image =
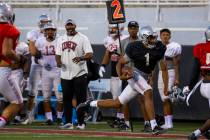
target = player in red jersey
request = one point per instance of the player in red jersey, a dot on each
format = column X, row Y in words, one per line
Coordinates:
column 201, row 53
column 10, row 90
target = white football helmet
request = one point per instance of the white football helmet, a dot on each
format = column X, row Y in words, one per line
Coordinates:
column 49, row 25
column 113, row 29
column 50, row 34
column 207, row 34
column 6, row 13
column 145, row 33
column 43, row 19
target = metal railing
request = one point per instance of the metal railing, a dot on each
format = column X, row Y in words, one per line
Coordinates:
column 102, row 2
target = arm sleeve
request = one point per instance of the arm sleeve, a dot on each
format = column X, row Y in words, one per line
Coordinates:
column 173, row 50
column 31, row 36
column 195, row 73
column 58, row 50
column 87, row 46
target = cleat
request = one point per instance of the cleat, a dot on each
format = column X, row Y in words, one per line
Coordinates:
column 59, row 121
column 157, row 130
column 27, row 121
column 147, row 128
column 207, row 134
column 67, row 126
column 192, row 137
column 164, row 126
column 49, row 122
column 84, row 105
column 123, row 126
column 81, row 127
column 16, row 122
column 115, row 123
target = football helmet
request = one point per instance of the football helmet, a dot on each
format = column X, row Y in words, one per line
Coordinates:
column 113, row 29
column 177, row 95
column 43, row 19
column 207, row 34
column 51, row 34
column 49, row 25
column 145, row 33
column 6, row 13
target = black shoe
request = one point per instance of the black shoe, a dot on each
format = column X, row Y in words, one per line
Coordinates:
column 16, row 122
column 207, row 134
column 59, row 121
column 84, row 105
column 158, row 130
column 49, row 122
column 123, row 126
column 115, row 123
column 192, row 137
column 147, row 128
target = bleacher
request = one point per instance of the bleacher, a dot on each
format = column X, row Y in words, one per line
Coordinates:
column 102, row 2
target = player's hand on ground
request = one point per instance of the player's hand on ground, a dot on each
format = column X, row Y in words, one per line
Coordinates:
column 101, row 71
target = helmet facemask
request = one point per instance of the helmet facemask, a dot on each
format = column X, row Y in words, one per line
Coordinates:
column 148, row 36
column 6, row 13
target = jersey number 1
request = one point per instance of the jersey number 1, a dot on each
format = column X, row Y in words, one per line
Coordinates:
column 147, row 59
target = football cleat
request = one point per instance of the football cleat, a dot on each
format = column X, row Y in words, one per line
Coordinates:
column 84, row 105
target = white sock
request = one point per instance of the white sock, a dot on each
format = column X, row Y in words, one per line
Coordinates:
column 166, row 121
column 153, row 123
column 93, row 103
column 197, row 132
column 2, row 122
column 49, row 115
column 127, row 123
column 59, row 114
column 30, row 114
column 146, row 122
column 120, row 115
column 170, row 120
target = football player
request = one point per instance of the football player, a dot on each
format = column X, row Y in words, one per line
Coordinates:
column 8, row 42
column 144, row 54
column 46, row 46
column 201, row 65
column 20, row 72
column 172, row 59
column 36, row 69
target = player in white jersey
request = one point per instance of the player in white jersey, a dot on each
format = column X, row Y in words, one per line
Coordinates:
column 21, row 73
column 172, row 59
column 72, row 51
column 112, row 54
column 50, row 72
column 36, row 69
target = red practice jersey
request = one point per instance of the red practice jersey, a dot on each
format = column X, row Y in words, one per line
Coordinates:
column 202, row 52
column 8, row 31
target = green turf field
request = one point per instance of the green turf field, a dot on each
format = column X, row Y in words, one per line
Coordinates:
column 179, row 128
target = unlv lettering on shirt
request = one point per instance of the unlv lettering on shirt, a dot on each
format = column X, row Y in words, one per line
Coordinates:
column 68, row 45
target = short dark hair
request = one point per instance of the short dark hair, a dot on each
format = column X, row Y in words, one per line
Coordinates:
column 165, row 30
